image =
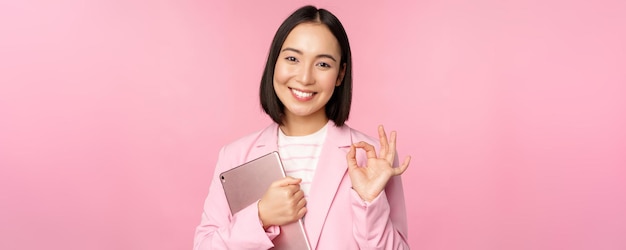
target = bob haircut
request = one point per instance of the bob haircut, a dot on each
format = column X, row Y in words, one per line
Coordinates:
column 338, row 106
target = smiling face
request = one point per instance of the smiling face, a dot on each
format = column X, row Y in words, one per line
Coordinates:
column 307, row 71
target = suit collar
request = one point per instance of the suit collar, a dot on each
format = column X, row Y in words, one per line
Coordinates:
column 266, row 142
column 268, row 139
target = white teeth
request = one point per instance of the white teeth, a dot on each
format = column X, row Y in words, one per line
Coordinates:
column 301, row 94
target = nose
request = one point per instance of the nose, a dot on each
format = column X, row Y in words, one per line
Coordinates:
column 305, row 75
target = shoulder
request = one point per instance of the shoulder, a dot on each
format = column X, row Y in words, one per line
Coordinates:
column 245, row 142
column 239, row 149
column 358, row 135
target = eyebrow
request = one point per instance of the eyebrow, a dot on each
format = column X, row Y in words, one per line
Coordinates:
column 318, row 56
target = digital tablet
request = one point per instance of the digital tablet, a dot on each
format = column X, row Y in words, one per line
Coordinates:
column 246, row 184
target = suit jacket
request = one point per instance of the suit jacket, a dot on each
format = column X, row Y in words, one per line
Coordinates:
column 337, row 217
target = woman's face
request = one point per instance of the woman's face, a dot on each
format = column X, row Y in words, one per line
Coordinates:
column 307, row 71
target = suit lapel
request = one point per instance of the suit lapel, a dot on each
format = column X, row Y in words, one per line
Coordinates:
column 265, row 143
column 331, row 169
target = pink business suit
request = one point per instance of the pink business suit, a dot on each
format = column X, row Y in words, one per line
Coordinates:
column 337, row 218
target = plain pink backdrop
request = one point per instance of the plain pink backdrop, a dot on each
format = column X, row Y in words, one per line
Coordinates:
column 112, row 114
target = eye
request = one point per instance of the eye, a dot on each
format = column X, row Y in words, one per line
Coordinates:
column 291, row 59
column 324, row 65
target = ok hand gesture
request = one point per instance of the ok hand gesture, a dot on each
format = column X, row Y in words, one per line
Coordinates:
column 369, row 180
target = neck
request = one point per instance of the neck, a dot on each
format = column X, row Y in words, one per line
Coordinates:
column 299, row 126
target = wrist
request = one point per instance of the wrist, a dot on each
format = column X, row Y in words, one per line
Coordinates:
column 263, row 225
column 365, row 197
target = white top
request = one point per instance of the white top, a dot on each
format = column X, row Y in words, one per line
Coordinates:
column 300, row 155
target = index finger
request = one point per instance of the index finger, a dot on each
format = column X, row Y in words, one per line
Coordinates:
column 288, row 180
column 370, row 151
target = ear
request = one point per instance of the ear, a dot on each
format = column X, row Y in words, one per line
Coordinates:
column 342, row 74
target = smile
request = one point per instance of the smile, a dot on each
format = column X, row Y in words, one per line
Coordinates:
column 302, row 95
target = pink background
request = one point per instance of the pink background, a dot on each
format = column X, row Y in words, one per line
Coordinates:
column 112, row 114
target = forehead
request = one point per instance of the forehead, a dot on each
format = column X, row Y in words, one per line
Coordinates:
column 313, row 38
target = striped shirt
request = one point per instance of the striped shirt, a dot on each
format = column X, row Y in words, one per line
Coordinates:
column 300, row 155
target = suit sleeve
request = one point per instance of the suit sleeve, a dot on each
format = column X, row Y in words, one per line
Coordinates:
column 381, row 223
column 219, row 229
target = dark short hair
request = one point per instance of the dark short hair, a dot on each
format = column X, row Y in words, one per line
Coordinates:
column 338, row 107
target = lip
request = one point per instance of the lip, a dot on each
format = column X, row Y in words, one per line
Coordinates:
column 302, row 98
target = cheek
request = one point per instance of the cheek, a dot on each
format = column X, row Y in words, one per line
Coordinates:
column 329, row 79
column 281, row 74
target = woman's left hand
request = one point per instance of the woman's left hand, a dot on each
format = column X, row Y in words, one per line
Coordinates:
column 369, row 180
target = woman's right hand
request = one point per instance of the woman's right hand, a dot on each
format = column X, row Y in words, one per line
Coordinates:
column 282, row 203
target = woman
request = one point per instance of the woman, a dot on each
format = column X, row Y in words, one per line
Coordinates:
column 347, row 199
